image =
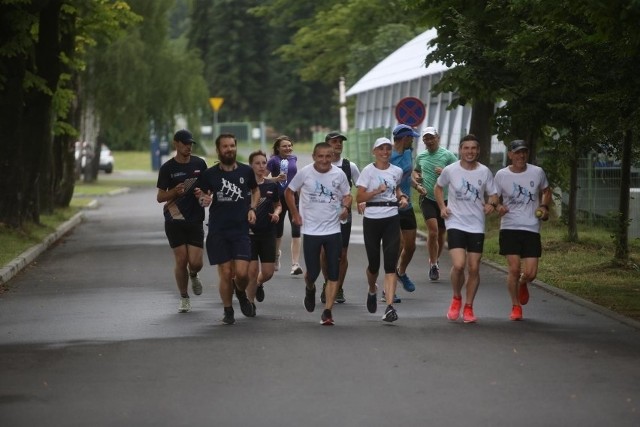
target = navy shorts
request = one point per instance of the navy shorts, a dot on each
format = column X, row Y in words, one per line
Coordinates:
column 224, row 247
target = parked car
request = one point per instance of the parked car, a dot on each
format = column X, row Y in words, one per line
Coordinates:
column 106, row 159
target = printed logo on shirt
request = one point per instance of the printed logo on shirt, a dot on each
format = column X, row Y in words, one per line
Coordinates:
column 229, row 192
column 466, row 191
column 521, row 195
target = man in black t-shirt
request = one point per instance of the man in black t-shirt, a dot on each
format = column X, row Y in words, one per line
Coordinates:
column 231, row 191
column 177, row 181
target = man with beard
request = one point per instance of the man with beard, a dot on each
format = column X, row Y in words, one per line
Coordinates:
column 231, row 191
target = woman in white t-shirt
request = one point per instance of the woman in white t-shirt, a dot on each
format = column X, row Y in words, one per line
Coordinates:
column 379, row 188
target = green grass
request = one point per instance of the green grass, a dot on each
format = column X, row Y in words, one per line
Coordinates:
column 13, row 242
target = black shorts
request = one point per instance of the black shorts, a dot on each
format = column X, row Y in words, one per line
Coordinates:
column 472, row 242
column 263, row 247
column 184, row 233
column 430, row 210
column 526, row 244
column 407, row 219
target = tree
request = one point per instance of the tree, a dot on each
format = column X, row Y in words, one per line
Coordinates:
column 36, row 53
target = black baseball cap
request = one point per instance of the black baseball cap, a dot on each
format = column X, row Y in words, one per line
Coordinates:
column 334, row 134
column 184, row 136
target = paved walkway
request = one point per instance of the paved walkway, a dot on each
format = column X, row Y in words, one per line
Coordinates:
column 90, row 335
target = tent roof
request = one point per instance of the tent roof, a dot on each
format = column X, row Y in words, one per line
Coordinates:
column 405, row 64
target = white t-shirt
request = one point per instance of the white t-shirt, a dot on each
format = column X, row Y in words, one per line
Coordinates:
column 321, row 197
column 520, row 193
column 370, row 178
column 467, row 190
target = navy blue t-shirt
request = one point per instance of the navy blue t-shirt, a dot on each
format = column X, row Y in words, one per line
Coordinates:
column 172, row 173
column 231, row 191
column 269, row 194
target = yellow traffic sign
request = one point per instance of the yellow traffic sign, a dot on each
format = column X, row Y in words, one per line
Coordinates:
column 216, row 103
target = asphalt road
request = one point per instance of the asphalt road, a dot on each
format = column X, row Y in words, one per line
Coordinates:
column 90, row 335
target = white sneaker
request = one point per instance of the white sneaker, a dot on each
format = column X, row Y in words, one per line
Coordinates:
column 196, row 284
column 277, row 266
column 185, row 305
column 296, row 269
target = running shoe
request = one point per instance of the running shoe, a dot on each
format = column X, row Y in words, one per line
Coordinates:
column 277, row 264
column 323, row 296
column 390, row 314
column 396, row 299
column 296, row 270
column 523, row 293
column 340, row 296
column 310, row 298
column 260, row 293
column 516, row 312
column 372, row 302
column 245, row 305
column 407, row 284
column 434, row 272
column 196, row 284
column 326, row 318
column 467, row 314
column 185, row 305
column 228, row 318
column 454, row 309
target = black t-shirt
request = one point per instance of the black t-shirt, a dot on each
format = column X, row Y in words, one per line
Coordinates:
column 172, row 173
column 231, row 191
column 269, row 194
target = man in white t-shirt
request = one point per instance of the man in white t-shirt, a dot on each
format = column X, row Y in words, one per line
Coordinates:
column 468, row 182
column 524, row 190
column 325, row 199
column 336, row 140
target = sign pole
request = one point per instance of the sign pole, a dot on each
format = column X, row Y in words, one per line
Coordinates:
column 216, row 103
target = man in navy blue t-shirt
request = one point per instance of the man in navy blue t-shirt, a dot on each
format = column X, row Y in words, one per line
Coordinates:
column 231, row 191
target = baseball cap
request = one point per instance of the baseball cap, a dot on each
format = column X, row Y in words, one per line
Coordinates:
column 381, row 141
column 404, row 130
column 430, row 131
column 518, row 145
column 334, row 134
column 184, row 136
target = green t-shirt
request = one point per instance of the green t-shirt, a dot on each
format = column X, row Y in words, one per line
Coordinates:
column 427, row 162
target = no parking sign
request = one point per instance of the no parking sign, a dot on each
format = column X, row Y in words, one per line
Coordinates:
column 410, row 111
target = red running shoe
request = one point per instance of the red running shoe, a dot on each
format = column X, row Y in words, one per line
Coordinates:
column 516, row 313
column 467, row 314
column 454, row 309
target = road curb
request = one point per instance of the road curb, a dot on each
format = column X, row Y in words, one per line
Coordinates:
column 573, row 298
column 27, row 257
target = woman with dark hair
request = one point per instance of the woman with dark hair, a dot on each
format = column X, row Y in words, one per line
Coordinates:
column 283, row 167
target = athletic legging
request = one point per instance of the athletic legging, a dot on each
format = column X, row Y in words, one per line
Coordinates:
column 295, row 230
column 386, row 230
column 311, row 246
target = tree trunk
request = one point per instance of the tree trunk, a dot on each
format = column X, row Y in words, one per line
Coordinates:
column 572, row 220
column 481, row 127
column 12, row 184
column 622, row 233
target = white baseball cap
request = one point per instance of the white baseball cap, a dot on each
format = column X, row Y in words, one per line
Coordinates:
column 429, row 131
column 381, row 141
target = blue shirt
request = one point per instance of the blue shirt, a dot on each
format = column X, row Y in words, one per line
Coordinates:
column 404, row 161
